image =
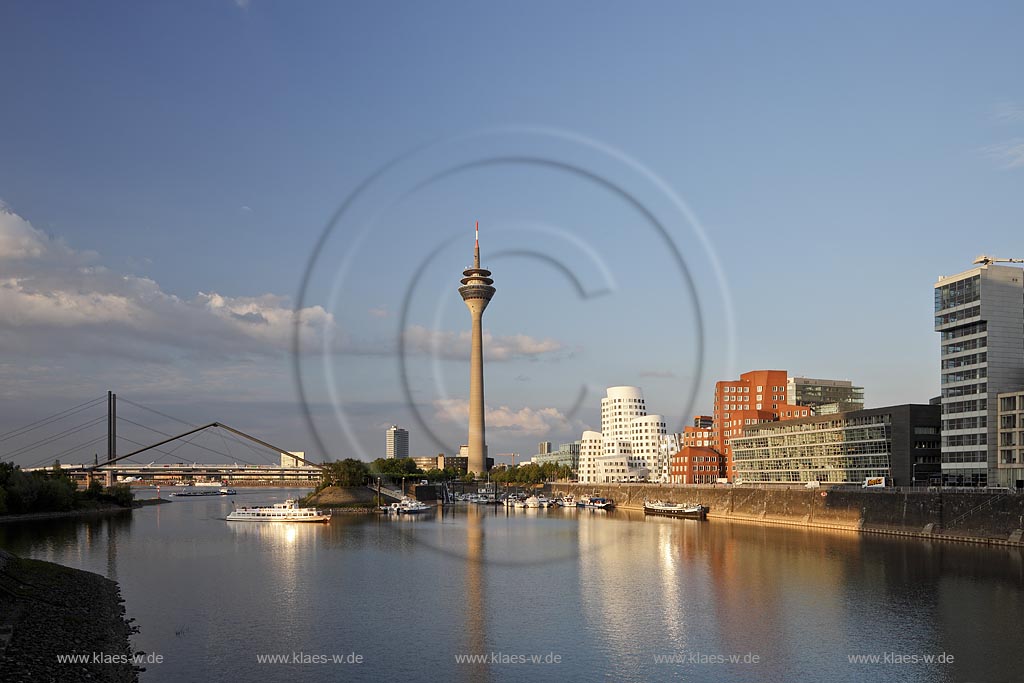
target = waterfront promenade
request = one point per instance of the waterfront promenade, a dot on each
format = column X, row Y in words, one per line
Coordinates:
column 988, row 517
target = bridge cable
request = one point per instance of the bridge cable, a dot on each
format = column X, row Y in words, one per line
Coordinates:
column 57, row 456
column 197, row 445
column 232, row 437
column 52, row 418
column 55, row 437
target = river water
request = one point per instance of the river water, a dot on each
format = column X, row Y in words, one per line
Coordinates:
column 542, row 595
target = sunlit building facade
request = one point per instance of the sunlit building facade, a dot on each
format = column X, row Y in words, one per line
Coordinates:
column 757, row 396
column 900, row 443
column 979, row 314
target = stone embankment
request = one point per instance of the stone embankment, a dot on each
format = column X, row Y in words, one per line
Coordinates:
column 49, row 611
column 995, row 518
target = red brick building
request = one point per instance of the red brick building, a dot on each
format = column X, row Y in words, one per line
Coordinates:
column 757, row 396
column 697, row 462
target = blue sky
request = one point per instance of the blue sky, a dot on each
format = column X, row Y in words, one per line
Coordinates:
column 175, row 164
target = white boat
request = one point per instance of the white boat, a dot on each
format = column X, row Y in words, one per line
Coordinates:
column 227, row 492
column 657, row 507
column 568, row 501
column 545, row 502
column 596, row 502
column 288, row 511
column 407, row 506
column 533, row 502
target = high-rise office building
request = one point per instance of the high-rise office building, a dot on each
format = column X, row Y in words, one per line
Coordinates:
column 397, row 442
column 979, row 314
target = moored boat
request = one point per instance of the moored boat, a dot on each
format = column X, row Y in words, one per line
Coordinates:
column 288, row 511
column 688, row 510
column 406, row 506
column 595, row 502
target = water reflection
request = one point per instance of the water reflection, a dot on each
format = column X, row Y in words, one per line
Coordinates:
column 85, row 539
column 474, row 615
column 606, row 591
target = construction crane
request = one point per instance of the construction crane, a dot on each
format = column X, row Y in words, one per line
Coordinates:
column 987, row 260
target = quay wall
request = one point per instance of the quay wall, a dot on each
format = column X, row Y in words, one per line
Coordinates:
column 952, row 515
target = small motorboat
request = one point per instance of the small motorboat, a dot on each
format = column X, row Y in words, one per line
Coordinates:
column 595, row 502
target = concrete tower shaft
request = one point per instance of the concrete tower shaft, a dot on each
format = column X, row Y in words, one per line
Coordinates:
column 477, row 290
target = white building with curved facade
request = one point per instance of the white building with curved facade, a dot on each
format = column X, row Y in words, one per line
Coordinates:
column 630, row 441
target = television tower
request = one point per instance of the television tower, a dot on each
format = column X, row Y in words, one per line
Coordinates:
column 476, row 291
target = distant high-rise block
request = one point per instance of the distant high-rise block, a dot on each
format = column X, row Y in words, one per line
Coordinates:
column 289, row 459
column 397, row 442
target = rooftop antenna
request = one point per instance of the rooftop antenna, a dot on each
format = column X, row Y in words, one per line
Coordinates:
column 476, row 249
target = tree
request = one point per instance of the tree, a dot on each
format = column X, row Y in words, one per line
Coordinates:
column 394, row 467
column 347, row 472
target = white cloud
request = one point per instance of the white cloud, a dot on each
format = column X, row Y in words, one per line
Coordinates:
column 1009, row 112
column 47, row 286
column 19, row 240
column 456, row 345
column 532, row 422
column 1009, row 154
column 380, row 312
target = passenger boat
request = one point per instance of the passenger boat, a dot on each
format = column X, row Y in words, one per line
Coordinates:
column 689, row 510
column 288, row 511
column 226, row 492
column 595, row 502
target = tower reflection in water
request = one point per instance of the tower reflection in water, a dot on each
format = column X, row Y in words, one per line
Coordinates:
column 475, row 612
